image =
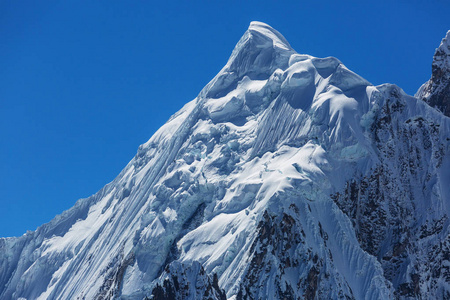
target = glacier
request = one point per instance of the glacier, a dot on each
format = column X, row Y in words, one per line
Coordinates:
column 287, row 177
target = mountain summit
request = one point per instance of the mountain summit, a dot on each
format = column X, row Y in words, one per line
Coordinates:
column 436, row 91
column 287, row 177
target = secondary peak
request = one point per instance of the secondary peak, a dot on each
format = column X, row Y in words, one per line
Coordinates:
column 269, row 34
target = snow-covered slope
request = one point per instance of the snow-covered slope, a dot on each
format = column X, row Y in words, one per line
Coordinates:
column 289, row 176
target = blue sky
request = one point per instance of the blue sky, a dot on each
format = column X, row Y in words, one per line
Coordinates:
column 84, row 83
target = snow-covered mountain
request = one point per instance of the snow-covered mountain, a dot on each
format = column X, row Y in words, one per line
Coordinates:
column 436, row 91
column 288, row 177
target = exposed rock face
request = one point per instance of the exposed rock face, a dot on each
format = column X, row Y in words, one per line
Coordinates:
column 288, row 177
column 283, row 266
column 436, row 91
column 187, row 282
column 391, row 221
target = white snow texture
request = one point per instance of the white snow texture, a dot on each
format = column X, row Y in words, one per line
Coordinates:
column 288, row 177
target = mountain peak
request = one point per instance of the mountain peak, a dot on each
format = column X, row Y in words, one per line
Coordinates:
column 260, row 51
column 441, row 58
column 267, row 33
column 436, row 91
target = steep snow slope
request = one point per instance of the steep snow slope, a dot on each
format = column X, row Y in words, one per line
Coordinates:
column 288, row 177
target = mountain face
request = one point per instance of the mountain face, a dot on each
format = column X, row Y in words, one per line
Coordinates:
column 288, row 177
column 436, row 91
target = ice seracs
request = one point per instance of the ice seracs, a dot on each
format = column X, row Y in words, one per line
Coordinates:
column 288, row 177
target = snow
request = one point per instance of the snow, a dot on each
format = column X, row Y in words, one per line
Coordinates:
column 170, row 214
column 268, row 32
column 273, row 131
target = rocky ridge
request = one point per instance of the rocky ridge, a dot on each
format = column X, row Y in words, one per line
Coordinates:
column 436, row 91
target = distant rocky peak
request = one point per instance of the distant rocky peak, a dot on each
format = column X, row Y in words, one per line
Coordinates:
column 436, row 91
column 441, row 59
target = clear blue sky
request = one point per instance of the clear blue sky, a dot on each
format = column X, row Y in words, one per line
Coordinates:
column 84, row 83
